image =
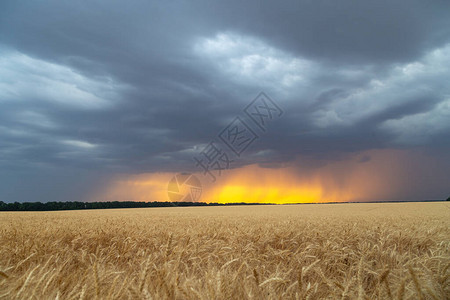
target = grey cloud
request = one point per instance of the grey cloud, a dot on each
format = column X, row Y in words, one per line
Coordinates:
column 129, row 80
column 352, row 31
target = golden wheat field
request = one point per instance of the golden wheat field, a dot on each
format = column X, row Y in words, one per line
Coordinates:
column 340, row 251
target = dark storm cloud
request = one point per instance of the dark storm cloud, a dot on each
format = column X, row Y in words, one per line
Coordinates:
column 349, row 31
column 109, row 87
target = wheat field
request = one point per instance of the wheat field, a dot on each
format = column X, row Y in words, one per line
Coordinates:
column 340, row 251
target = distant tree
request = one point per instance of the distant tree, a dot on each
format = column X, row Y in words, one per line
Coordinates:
column 47, row 206
column 448, row 199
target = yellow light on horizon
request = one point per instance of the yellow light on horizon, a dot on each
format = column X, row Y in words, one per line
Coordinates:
column 270, row 194
column 340, row 181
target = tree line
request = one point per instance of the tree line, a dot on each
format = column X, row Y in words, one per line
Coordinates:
column 49, row 206
column 76, row 205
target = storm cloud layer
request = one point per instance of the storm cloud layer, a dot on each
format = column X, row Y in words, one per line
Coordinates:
column 93, row 89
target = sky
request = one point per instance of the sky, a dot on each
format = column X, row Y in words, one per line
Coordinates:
column 108, row 100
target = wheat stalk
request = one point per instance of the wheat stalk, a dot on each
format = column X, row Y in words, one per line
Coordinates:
column 283, row 252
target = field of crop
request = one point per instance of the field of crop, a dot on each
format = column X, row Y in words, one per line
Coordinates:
column 340, row 251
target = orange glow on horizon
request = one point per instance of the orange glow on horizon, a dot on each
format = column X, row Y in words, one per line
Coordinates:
column 350, row 179
column 253, row 184
column 250, row 184
column 142, row 187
